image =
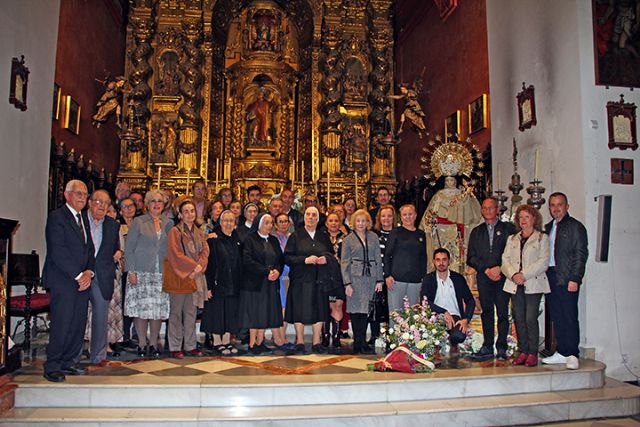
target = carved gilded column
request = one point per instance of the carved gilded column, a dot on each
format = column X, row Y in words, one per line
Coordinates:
column 331, row 87
column 381, row 47
column 190, row 89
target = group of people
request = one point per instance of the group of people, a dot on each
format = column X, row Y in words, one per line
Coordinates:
column 248, row 268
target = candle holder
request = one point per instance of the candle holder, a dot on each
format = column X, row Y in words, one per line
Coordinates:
column 501, row 198
column 536, row 191
column 516, row 187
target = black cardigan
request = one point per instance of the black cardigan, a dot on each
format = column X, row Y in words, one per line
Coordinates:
column 256, row 269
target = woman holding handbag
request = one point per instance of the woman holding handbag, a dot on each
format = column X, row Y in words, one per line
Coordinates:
column 362, row 274
column 184, row 281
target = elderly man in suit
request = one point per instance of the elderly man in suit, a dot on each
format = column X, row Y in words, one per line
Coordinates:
column 486, row 244
column 68, row 270
column 105, row 237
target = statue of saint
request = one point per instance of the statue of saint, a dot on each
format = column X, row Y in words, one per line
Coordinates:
column 450, row 216
column 412, row 110
column 109, row 102
column 260, row 128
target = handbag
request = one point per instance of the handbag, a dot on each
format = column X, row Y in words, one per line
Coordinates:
column 174, row 284
column 378, row 308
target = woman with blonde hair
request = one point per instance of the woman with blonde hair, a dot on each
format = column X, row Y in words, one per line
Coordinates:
column 144, row 255
column 362, row 274
column 524, row 262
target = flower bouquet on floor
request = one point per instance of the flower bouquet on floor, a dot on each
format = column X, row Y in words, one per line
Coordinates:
column 475, row 340
column 414, row 333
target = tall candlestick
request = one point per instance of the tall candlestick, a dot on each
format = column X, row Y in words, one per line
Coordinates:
column 188, row 180
column 536, row 165
column 499, row 180
column 356, row 191
column 302, row 177
column 159, row 174
column 217, row 169
column 328, row 189
column 230, row 173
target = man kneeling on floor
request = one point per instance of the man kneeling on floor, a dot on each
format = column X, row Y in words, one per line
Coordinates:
column 448, row 293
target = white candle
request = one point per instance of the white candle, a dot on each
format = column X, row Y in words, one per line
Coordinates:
column 188, row 180
column 159, row 174
column 499, row 177
column 536, row 167
column 302, row 176
column 230, row 174
column 217, row 169
column 356, row 190
column 328, row 189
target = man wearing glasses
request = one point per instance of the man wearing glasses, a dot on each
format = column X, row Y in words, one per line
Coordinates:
column 68, row 271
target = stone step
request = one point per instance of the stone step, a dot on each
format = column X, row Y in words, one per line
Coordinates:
column 615, row 399
column 161, row 392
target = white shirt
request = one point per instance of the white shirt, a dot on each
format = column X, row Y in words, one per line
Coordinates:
column 446, row 295
column 552, row 243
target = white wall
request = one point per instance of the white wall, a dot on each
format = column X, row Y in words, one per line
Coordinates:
column 549, row 44
column 29, row 28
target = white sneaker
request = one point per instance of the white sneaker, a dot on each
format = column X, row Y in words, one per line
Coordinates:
column 555, row 358
column 573, row 362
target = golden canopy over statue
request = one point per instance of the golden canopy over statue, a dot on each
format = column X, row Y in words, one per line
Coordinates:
column 454, row 210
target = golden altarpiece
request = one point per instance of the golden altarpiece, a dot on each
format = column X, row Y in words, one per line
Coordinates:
column 276, row 93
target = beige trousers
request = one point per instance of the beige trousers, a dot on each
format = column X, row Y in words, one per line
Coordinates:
column 182, row 322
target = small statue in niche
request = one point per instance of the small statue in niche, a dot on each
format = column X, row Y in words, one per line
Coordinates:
column 109, row 102
column 260, row 119
column 412, row 110
column 263, row 35
column 168, row 141
column 168, row 82
column 354, row 146
column 355, row 81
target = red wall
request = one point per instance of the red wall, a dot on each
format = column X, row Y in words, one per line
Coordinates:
column 454, row 54
column 91, row 40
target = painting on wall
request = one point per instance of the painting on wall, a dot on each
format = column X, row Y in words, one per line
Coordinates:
column 452, row 126
column 622, row 171
column 478, row 114
column 526, row 107
column 72, row 115
column 621, row 121
column 617, row 43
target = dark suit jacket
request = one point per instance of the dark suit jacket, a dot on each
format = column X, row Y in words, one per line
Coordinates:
column 466, row 303
column 480, row 257
column 105, row 267
column 67, row 252
column 570, row 250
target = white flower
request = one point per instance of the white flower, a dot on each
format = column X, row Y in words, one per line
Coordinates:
column 392, row 346
column 412, row 328
column 383, row 330
column 391, row 331
column 406, row 336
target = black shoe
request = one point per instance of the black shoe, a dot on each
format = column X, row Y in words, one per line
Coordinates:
column 54, row 377
column 484, row 354
column 153, row 352
column 256, row 350
column 113, row 355
column 128, row 344
column 73, row 370
column 367, row 349
column 502, row 354
column 208, row 342
column 140, row 352
column 318, row 349
column 300, row 349
column 264, row 349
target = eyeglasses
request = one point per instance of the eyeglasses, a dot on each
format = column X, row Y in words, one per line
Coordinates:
column 100, row 202
column 80, row 193
column 157, row 201
column 127, row 206
column 283, row 221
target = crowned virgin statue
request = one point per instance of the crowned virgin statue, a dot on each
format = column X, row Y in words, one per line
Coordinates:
column 454, row 210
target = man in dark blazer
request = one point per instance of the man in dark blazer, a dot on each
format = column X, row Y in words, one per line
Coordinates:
column 106, row 239
column 569, row 253
column 447, row 293
column 68, row 270
column 484, row 254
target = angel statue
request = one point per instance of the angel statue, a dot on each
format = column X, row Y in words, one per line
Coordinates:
column 412, row 110
column 109, row 102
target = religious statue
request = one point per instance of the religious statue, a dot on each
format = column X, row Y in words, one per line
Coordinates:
column 412, row 110
column 263, row 36
column 260, row 123
column 109, row 102
column 165, row 136
column 453, row 211
column 355, row 146
column 168, row 80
